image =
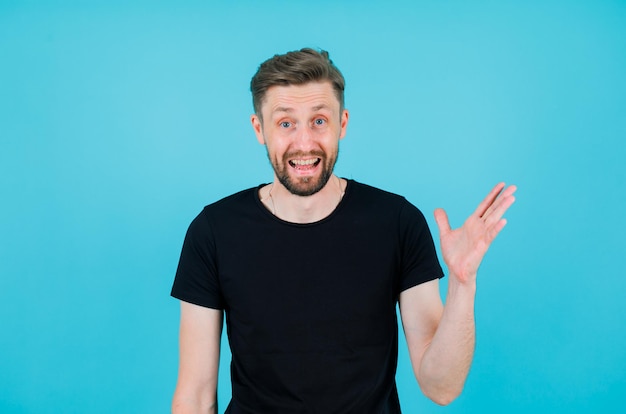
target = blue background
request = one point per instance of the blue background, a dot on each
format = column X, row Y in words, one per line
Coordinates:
column 120, row 120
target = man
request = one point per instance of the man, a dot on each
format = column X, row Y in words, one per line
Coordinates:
column 309, row 269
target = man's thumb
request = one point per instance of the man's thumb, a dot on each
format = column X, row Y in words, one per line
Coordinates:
column 441, row 217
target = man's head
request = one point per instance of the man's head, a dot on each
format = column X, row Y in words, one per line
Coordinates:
column 295, row 68
column 299, row 117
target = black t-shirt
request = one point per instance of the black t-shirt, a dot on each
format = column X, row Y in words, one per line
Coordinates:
column 310, row 308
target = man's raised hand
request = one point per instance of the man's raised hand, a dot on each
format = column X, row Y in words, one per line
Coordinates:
column 464, row 248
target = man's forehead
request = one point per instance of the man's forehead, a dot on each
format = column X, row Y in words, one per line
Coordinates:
column 312, row 96
column 314, row 107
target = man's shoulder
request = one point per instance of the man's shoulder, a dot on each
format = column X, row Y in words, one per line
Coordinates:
column 383, row 202
column 235, row 203
column 371, row 193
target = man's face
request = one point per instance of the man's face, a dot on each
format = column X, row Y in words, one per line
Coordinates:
column 301, row 129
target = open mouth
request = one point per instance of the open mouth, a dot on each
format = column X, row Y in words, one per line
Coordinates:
column 303, row 165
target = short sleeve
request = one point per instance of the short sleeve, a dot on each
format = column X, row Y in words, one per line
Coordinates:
column 196, row 279
column 419, row 263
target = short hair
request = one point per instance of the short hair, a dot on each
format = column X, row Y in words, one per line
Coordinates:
column 295, row 68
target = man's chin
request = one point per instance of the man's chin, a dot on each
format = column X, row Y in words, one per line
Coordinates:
column 304, row 186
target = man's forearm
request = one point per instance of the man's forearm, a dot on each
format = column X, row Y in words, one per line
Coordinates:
column 193, row 405
column 446, row 362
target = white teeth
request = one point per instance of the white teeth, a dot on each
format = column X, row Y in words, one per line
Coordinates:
column 305, row 162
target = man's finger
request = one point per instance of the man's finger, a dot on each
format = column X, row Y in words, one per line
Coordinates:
column 500, row 206
column 488, row 201
column 441, row 217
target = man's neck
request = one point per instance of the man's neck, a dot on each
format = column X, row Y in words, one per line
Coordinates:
column 298, row 209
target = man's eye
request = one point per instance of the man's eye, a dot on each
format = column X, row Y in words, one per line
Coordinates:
column 320, row 121
column 285, row 124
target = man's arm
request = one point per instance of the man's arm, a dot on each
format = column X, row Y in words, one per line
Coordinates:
column 441, row 339
column 199, row 342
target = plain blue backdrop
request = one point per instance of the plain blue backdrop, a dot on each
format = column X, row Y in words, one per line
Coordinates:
column 120, row 120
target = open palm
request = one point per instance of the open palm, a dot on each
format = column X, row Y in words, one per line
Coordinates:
column 464, row 248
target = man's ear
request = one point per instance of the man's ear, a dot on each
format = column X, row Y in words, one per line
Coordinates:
column 258, row 128
column 344, row 123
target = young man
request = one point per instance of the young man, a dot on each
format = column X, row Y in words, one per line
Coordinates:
column 309, row 269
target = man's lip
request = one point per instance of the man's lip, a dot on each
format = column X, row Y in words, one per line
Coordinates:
column 304, row 162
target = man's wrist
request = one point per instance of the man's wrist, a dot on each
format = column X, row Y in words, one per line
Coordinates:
column 465, row 286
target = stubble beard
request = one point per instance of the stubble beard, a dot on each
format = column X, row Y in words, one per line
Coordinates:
column 304, row 186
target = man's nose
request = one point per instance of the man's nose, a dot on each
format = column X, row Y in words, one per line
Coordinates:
column 304, row 138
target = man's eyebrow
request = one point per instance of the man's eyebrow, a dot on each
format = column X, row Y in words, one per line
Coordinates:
column 282, row 109
column 289, row 110
column 320, row 106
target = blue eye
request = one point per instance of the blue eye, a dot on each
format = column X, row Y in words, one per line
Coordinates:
column 285, row 124
column 320, row 121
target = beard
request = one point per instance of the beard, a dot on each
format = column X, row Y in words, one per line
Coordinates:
column 304, row 186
